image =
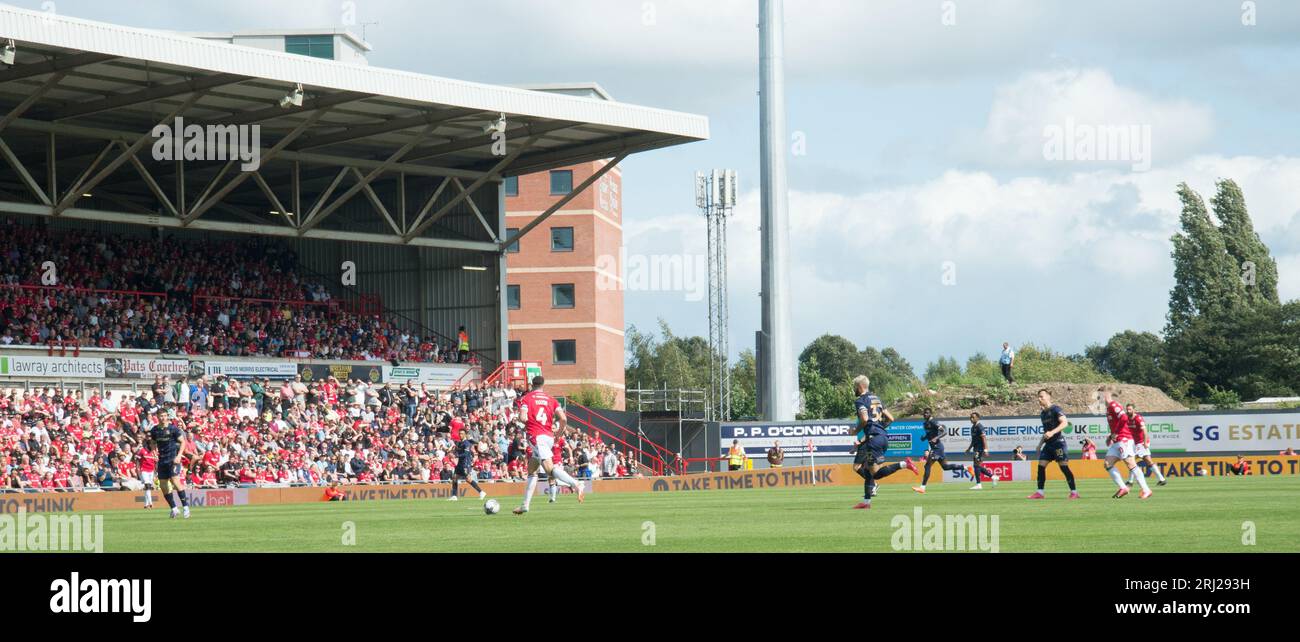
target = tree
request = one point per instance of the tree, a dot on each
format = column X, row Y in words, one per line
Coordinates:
column 837, row 359
column 1205, row 275
column 944, row 371
column 594, row 397
column 666, row 361
column 1133, row 357
column 744, row 387
column 1252, row 351
column 822, row 398
column 1227, row 331
column 1255, row 265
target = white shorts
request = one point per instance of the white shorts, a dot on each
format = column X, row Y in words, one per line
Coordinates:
column 543, row 447
column 1141, row 450
column 146, row 478
column 1122, row 449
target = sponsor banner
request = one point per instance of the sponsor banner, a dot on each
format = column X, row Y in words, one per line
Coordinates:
column 830, row 438
column 54, row 367
column 343, row 372
column 1277, row 430
column 438, row 375
column 1175, row 467
column 145, row 368
column 1005, row 470
column 747, row 479
column 797, row 477
column 1170, row 433
column 245, row 369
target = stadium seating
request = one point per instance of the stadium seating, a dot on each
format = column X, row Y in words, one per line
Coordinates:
column 94, row 289
column 285, row 433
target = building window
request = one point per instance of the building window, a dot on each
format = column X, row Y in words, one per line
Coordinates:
column 314, row 46
column 562, row 296
column 515, row 350
column 513, row 248
column 512, row 297
column 561, row 239
column 512, row 186
column 565, row 352
column 561, row 182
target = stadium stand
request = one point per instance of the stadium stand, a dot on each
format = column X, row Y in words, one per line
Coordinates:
column 282, row 433
column 239, row 299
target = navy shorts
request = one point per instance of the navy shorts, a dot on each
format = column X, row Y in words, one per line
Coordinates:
column 872, row 451
column 464, row 470
column 936, row 451
column 168, row 470
column 1056, row 452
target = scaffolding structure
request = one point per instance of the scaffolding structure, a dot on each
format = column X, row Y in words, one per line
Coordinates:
column 677, row 419
column 715, row 195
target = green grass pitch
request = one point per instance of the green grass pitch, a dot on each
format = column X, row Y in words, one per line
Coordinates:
column 1190, row 515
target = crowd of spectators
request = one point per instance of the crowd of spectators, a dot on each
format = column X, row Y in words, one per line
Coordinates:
column 221, row 298
column 260, row 432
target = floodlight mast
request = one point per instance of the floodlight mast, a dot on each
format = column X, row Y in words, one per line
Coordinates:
column 779, row 387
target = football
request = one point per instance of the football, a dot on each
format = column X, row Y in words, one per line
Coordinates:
column 491, row 507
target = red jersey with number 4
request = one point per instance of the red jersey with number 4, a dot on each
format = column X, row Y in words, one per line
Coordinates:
column 539, row 412
column 1139, row 427
column 1119, row 428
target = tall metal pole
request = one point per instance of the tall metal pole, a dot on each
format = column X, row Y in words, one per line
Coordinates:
column 780, row 387
column 715, row 195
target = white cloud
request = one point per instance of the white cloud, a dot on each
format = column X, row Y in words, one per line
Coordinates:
column 1038, row 258
column 1068, row 105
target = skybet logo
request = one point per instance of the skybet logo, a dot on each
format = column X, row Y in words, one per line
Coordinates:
column 1000, row 468
column 179, row 141
column 75, row 595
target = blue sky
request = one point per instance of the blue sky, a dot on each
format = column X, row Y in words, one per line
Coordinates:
column 924, row 143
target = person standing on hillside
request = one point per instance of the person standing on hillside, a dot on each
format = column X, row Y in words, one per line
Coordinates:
column 1007, row 360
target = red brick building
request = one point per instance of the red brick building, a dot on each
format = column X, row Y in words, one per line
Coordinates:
column 565, row 293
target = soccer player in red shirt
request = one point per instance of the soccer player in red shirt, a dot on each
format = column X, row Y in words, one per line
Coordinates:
column 557, row 461
column 1142, row 445
column 148, row 464
column 540, row 410
column 1121, row 445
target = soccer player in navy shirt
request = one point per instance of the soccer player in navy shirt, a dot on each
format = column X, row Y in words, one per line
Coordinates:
column 872, row 441
column 465, row 467
column 1052, row 447
column 169, row 440
column 934, row 437
column 979, row 447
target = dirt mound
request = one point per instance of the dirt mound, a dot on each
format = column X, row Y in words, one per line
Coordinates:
column 1022, row 400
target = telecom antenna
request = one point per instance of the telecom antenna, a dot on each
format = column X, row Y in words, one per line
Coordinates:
column 715, row 195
